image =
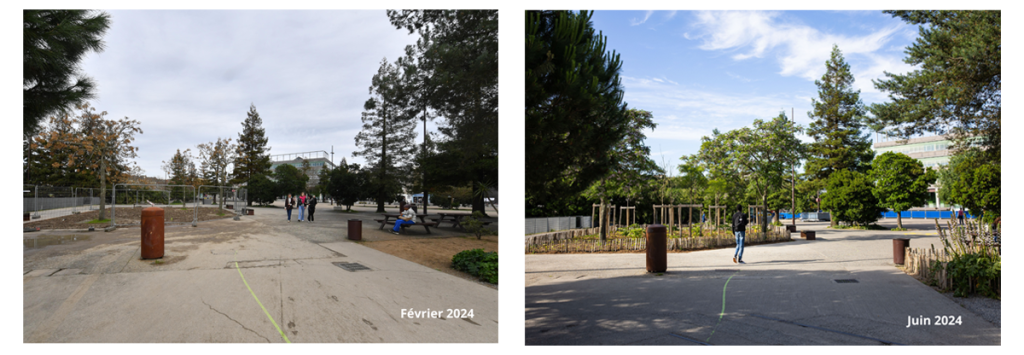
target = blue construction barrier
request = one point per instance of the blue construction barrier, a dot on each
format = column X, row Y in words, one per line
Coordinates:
column 924, row 214
column 788, row 215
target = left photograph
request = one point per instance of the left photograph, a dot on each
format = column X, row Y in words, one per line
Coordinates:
column 251, row 176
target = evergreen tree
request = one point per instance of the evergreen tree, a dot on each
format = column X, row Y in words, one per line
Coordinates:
column 574, row 109
column 957, row 88
column 837, row 124
column 55, row 43
column 178, row 169
column 457, row 72
column 849, row 194
column 387, row 136
column 290, row 180
column 261, row 189
column 252, row 155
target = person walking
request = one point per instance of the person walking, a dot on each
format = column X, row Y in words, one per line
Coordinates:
column 302, row 206
column 408, row 216
column 960, row 215
column 739, row 227
column 312, row 207
column 289, row 202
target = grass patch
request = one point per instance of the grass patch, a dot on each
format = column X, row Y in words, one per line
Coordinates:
column 98, row 221
column 158, row 262
column 900, row 229
column 476, row 262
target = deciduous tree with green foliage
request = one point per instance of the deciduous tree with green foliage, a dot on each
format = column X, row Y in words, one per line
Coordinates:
column 849, row 196
column 55, row 42
column 900, row 182
column 956, row 87
column 574, row 109
column 971, row 182
column 252, row 155
column 762, row 154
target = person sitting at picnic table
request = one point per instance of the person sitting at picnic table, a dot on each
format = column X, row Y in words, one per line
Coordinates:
column 407, row 217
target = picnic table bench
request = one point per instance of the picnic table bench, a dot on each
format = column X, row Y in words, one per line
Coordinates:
column 454, row 218
column 390, row 218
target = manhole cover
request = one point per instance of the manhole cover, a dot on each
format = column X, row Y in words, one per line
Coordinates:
column 846, row 281
column 351, row 266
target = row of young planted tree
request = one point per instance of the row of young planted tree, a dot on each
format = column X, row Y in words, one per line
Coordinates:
column 451, row 73
column 584, row 146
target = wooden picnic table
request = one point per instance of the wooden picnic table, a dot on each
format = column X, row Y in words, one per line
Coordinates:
column 389, row 217
column 454, row 218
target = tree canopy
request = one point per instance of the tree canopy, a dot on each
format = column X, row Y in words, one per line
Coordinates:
column 574, row 109
column 251, row 156
column 957, row 88
column 849, row 197
column 837, row 123
column 900, row 182
column 55, row 41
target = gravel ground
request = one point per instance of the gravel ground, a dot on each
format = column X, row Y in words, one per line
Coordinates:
column 986, row 308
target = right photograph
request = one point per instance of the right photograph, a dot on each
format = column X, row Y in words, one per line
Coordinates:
column 763, row 177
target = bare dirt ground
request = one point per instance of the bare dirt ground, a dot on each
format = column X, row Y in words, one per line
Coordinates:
column 435, row 253
column 126, row 215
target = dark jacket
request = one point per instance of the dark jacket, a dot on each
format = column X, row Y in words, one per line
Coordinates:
column 739, row 222
column 289, row 203
column 312, row 202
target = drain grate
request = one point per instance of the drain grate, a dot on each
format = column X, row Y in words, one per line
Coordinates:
column 351, row 266
column 846, row 281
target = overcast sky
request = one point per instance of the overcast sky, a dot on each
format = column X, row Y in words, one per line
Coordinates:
column 189, row 76
column 701, row 70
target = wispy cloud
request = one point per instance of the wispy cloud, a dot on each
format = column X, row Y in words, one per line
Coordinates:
column 636, row 22
column 801, row 50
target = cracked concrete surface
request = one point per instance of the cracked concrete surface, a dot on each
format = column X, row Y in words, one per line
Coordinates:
column 195, row 294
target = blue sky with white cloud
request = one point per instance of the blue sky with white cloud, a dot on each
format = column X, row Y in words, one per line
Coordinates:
column 701, row 70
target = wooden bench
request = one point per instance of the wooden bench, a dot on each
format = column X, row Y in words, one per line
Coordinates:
column 425, row 225
column 454, row 222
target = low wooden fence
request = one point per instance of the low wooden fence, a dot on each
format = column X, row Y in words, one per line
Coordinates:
column 565, row 242
column 921, row 263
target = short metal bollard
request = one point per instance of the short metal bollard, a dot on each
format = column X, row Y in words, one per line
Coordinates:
column 899, row 250
column 153, row 233
column 355, row 229
column 657, row 248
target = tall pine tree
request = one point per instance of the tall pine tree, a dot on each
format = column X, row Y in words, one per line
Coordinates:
column 251, row 158
column 837, row 123
column 387, row 138
column 574, row 109
column 55, row 42
column 956, row 88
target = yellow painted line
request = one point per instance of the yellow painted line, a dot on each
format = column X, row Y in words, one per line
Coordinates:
column 261, row 304
column 720, row 315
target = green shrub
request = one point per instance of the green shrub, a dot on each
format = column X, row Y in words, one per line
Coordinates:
column 479, row 263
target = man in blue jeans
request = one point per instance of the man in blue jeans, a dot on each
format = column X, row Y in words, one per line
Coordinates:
column 739, row 226
column 408, row 216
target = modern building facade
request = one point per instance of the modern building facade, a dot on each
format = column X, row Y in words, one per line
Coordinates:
column 317, row 160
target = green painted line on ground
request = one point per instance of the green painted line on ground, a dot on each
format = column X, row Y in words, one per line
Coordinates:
column 720, row 315
column 261, row 304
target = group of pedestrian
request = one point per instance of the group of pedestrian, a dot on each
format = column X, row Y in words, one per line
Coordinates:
column 303, row 203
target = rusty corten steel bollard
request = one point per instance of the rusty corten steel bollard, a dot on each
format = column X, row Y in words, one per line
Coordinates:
column 657, row 249
column 153, row 233
column 355, row 229
column 899, row 251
